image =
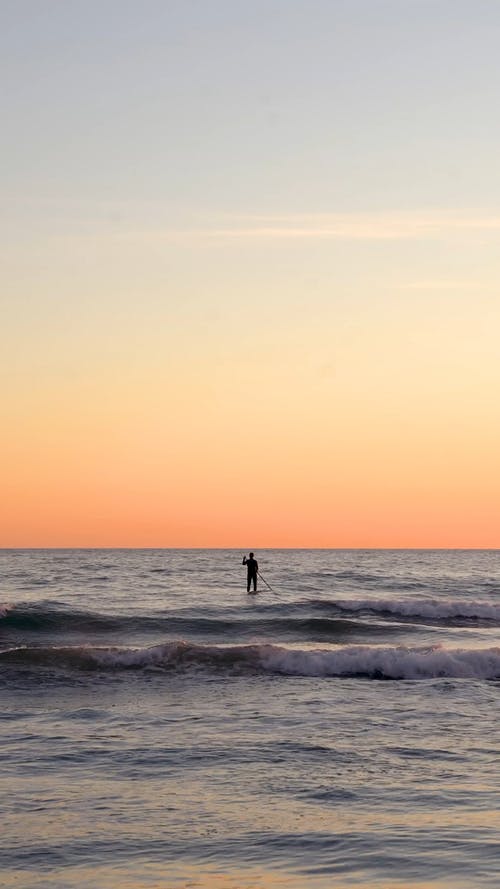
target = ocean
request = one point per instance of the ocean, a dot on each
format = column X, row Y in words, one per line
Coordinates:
column 162, row 728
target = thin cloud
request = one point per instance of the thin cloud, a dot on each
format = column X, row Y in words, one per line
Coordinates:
column 208, row 229
column 373, row 227
column 441, row 284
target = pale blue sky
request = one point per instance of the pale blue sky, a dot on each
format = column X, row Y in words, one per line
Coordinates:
column 344, row 153
column 261, row 107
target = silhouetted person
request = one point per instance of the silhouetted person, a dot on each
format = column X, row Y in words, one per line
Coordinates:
column 252, row 569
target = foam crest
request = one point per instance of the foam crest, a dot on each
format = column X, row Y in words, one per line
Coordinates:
column 374, row 662
column 387, row 663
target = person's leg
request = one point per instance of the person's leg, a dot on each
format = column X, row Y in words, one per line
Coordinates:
column 255, row 582
column 249, row 578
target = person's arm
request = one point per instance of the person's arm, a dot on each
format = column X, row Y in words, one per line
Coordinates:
column 244, row 560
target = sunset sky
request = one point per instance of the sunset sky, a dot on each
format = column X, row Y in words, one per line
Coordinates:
column 250, row 273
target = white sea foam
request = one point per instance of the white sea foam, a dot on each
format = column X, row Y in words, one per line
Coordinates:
column 434, row 609
column 371, row 661
column 376, row 662
column 390, row 663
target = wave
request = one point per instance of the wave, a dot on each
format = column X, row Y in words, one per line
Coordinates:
column 372, row 662
column 314, row 620
column 427, row 609
column 51, row 618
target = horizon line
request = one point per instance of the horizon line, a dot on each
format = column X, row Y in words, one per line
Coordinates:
column 268, row 548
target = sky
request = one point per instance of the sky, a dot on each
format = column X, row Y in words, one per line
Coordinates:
column 250, row 276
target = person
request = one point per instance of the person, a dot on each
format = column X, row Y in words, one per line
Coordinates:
column 252, row 569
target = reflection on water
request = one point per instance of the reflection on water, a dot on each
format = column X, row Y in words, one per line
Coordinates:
column 161, row 876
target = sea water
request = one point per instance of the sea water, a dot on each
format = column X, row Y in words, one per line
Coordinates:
column 162, row 728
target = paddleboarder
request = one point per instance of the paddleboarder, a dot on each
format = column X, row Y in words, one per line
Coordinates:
column 252, row 570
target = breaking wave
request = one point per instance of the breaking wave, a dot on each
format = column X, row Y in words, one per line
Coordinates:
column 312, row 619
column 372, row 662
column 426, row 609
column 271, row 621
